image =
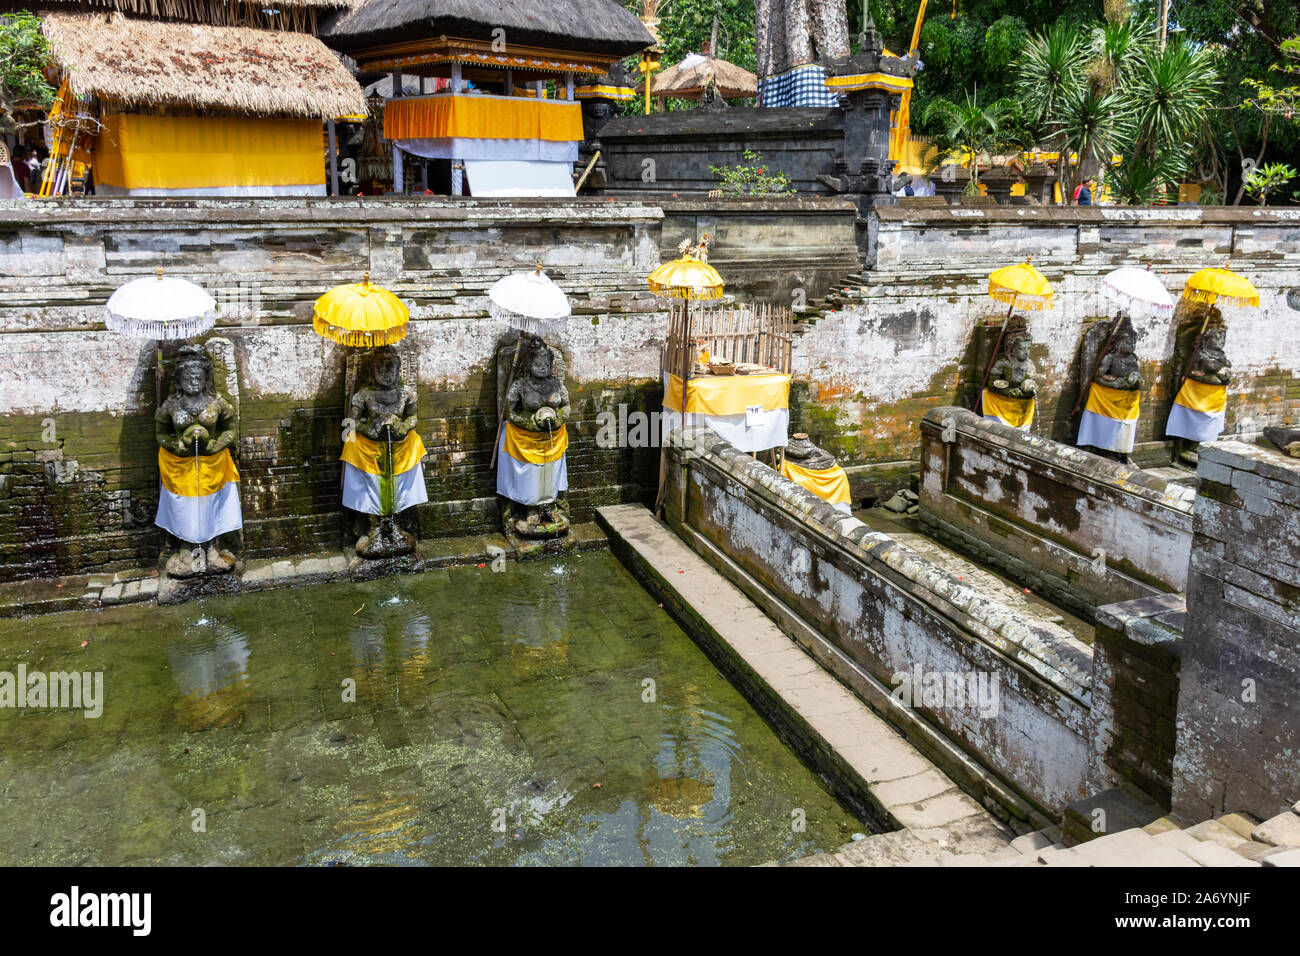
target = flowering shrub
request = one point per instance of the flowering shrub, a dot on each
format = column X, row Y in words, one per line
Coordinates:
column 753, row 179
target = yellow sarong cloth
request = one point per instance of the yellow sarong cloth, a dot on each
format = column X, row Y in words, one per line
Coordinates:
column 828, row 484
column 1200, row 397
column 181, row 477
column 363, row 453
column 728, row 394
column 1113, row 403
column 535, row 448
column 482, row 117
column 1016, row 412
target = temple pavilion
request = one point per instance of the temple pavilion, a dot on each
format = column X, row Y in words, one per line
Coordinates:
column 194, row 97
column 509, row 120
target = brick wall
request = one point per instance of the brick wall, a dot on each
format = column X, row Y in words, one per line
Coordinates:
column 1238, row 720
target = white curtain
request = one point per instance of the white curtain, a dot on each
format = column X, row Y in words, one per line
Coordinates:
column 314, row 189
column 496, row 149
column 519, row 178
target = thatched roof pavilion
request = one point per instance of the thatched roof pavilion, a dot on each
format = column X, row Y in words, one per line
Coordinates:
column 551, row 37
column 141, row 63
column 300, row 15
column 162, row 108
column 686, row 80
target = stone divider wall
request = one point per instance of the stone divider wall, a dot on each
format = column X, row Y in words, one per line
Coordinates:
column 889, row 611
column 1079, row 529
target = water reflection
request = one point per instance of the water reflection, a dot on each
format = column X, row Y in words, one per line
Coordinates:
column 209, row 665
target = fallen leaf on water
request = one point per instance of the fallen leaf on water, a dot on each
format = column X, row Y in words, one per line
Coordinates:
column 596, row 786
column 84, row 643
column 357, row 611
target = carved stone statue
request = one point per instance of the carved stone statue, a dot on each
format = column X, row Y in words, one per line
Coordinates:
column 531, row 468
column 1119, row 367
column 1110, row 417
column 199, row 498
column 382, row 474
column 1011, row 374
column 1010, row 393
column 1199, row 409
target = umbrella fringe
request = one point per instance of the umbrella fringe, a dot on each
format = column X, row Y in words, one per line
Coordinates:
column 540, row 326
column 1136, row 302
column 681, row 292
column 169, row 330
column 1034, row 303
column 356, row 339
column 1205, row 297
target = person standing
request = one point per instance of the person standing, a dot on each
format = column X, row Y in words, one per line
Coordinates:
column 1083, row 195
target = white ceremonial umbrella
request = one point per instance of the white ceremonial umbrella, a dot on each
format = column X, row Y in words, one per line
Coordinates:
column 1140, row 291
column 160, row 307
column 531, row 303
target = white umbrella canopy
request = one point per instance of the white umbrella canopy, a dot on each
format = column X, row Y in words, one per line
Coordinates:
column 531, row 303
column 1140, row 291
column 161, row 308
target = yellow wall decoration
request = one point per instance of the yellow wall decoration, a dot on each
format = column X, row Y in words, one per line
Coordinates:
column 201, row 152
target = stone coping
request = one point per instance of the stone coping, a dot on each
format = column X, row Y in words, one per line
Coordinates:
column 1073, row 215
column 1175, row 496
column 1048, row 650
column 314, row 209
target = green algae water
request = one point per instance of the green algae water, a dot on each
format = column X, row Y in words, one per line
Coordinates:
column 550, row 714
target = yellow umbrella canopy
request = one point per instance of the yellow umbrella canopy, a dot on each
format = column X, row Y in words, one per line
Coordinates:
column 689, row 277
column 361, row 314
column 1221, row 286
column 1021, row 287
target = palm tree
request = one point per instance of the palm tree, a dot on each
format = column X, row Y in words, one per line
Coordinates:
column 1172, row 88
column 1117, row 49
column 1139, row 181
column 1051, row 67
column 971, row 127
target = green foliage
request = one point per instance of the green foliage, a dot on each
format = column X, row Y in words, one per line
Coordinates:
column 980, row 129
column 1172, row 90
column 685, row 26
column 1264, row 179
column 1141, row 180
column 24, row 52
column 752, row 180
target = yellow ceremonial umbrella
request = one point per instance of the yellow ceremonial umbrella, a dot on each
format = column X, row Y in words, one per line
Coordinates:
column 1210, row 286
column 688, row 277
column 1217, row 287
column 1020, row 286
column 361, row 314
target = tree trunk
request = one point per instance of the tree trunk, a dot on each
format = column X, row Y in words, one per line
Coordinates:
column 830, row 24
column 798, row 34
column 769, row 31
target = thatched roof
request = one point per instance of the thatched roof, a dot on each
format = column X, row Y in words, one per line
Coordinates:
column 733, row 82
column 138, row 62
column 598, row 26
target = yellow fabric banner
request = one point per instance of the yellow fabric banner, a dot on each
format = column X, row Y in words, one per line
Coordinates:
column 535, row 448
column 199, row 152
column 363, row 453
column 1113, row 403
column 482, row 117
column 829, row 484
column 1200, row 397
column 1016, row 412
column 181, row 477
column 728, row 394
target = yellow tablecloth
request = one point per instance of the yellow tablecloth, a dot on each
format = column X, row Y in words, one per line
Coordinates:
column 203, row 152
column 728, row 394
column 449, row 116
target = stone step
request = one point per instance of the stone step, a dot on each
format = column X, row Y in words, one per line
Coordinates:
column 1030, row 843
column 1212, row 831
column 1281, row 830
column 1241, row 823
